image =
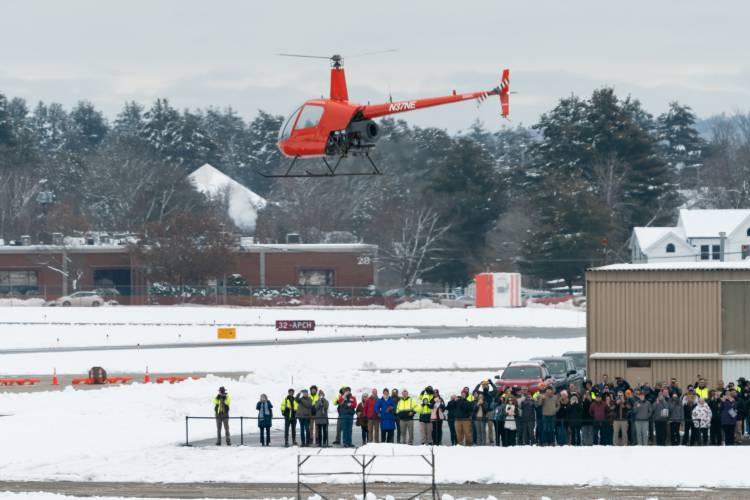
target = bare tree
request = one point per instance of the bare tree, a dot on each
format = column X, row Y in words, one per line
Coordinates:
column 415, row 249
column 186, row 249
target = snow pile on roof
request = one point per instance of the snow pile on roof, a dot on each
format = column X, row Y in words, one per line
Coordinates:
column 709, row 223
column 710, row 265
column 243, row 202
column 647, row 236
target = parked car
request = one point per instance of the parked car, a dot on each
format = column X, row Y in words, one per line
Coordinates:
column 523, row 373
column 579, row 360
column 453, row 300
column 109, row 294
column 564, row 372
column 91, row 299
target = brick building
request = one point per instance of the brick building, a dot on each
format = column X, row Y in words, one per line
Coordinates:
column 51, row 271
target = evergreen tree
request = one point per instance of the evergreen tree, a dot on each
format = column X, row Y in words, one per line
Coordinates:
column 603, row 142
column 567, row 233
column 264, row 156
column 680, row 144
column 6, row 127
column 88, row 127
column 469, row 197
column 130, row 120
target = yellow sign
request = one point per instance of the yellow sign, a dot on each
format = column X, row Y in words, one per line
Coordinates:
column 226, row 333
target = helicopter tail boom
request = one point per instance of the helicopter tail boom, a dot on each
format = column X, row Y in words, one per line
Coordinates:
column 390, row 108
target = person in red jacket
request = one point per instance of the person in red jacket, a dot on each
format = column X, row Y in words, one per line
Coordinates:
column 373, row 419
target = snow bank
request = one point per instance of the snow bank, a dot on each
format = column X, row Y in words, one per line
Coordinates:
column 35, row 302
column 421, row 304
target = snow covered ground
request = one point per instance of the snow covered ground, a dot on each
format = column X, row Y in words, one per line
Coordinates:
column 133, row 432
column 309, row 361
column 66, row 327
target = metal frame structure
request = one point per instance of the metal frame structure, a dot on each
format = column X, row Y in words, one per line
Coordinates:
column 364, row 462
column 332, row 171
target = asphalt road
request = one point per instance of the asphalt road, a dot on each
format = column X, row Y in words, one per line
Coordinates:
column 423, row 333
column 398, row 490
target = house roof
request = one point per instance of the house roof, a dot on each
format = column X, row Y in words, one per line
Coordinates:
column 648, row 236
column 243, row 203
column 710, row 265
column 709, row 223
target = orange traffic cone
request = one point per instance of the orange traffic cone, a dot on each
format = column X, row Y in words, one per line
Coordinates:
column 54, row 377
column 147, row 377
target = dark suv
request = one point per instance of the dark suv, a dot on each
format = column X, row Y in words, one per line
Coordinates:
column 563, row 371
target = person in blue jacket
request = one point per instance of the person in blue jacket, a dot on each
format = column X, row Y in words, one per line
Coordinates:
column 385, row 408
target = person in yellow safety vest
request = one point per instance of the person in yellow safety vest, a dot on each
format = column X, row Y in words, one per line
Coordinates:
column 425, row 415
column 222, row 402
column 405, row 411
column 289, row 407
column 469, row 396
column 701, row 390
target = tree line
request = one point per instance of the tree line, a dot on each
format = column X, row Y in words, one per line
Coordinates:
column 548, row 200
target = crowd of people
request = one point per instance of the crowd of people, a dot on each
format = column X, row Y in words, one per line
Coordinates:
column 605, row 413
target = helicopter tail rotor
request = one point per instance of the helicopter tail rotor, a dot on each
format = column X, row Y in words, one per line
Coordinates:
column 505, row 93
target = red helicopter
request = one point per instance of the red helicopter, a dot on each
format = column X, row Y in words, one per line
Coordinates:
column 338, row 128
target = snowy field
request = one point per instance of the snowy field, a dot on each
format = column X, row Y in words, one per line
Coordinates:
column 134, row 432
column 24, row 327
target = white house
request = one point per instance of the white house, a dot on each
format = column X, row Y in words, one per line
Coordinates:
column 697, row 236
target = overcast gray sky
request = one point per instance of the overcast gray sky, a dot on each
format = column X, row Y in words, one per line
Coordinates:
column 199, row 53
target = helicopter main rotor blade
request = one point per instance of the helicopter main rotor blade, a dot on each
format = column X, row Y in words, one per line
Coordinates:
column 305, row 56
column 373, row 53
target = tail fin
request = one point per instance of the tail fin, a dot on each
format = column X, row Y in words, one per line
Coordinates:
column 505, row 93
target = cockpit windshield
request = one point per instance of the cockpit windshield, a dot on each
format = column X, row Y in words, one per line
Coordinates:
column 309, row 117
column 286, row 129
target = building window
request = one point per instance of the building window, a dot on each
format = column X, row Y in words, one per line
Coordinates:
column 315, row 277
column 716, row 252
column 745, row 251
column 638, row 363
column 705, row 255
column 670, row 248
column 19, row 281
column 748, row 231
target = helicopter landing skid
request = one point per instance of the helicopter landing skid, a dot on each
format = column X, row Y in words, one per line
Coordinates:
column 331, row 170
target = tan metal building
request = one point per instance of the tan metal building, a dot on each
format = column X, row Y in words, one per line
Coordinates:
column 651, row 322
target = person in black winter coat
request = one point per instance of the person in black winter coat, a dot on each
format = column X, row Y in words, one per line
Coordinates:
column 715, row 432
column 574, row 420
column 450, row 410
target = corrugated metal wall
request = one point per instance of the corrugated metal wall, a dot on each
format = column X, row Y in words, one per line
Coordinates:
column 735, row 317
column 662, row 370
column 598, row 367
column 732, row 369
column 654, row 316
column 686, row 370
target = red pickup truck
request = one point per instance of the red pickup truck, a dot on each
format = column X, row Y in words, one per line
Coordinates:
column 523, row 374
